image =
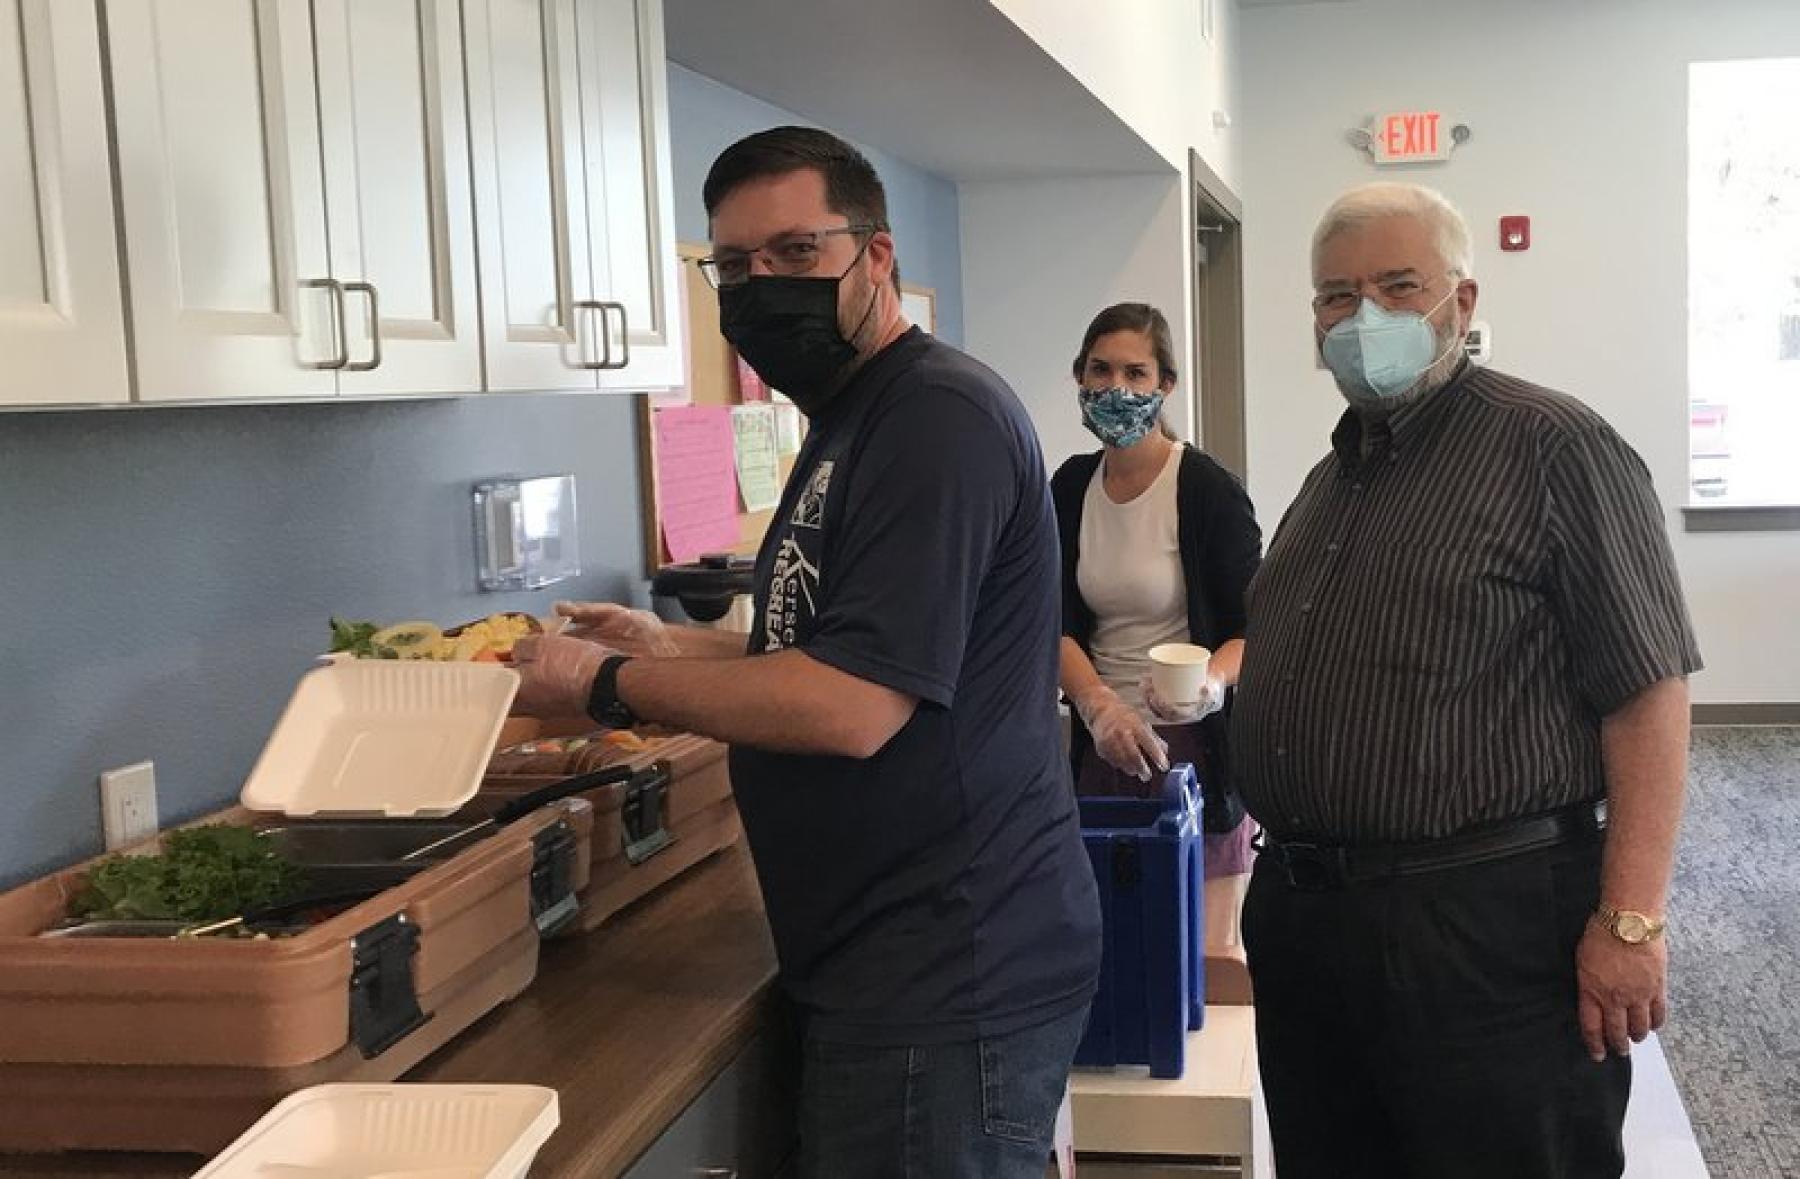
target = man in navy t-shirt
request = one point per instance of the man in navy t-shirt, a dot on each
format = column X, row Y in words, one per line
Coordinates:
column 895, row 745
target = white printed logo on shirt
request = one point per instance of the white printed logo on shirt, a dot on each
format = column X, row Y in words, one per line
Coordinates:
column 794, row 577
column 792, row 584
column 810, row 511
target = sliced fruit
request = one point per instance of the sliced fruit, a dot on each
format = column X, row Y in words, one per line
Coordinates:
column 408, row 640
column 466, row 646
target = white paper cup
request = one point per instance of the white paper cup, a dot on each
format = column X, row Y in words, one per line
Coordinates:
column 1178, row 672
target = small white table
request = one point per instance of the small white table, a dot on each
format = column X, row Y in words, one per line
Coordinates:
column 1208, row 1121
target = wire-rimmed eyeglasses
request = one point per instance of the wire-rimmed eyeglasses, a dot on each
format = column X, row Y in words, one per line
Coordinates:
column 785, row 254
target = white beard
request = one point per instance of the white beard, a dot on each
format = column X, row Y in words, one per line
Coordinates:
column 1450, row 357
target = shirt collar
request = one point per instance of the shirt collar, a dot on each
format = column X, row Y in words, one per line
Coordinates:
column 1394, row 430
column 872, row 374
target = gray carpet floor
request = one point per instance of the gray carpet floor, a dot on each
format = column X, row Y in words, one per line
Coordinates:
column 1733, row 1036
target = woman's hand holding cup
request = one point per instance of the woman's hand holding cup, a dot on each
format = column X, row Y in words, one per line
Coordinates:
column 1181, row 687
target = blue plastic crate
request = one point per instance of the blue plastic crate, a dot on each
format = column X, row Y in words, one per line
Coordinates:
column 1147, row 860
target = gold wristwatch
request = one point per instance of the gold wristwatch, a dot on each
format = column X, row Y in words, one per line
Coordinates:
column 1631, row 927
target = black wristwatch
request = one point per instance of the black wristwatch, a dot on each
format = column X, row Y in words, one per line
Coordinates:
column 604, row 704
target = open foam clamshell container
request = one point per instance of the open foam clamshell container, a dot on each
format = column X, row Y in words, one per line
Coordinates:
column 676, row 811
column 395, row 1132
column 134, row 1043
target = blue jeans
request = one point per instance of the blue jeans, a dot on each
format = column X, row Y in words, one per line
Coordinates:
column 980, row 1109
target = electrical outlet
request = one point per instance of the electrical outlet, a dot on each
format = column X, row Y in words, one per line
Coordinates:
column 128, row 804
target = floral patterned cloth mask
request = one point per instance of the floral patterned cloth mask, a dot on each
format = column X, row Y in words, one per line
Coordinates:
column 1120, row 416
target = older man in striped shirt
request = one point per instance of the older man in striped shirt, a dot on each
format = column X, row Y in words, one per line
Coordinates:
column 1462, row 722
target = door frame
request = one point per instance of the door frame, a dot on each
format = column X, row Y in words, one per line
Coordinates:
column 1215, row 226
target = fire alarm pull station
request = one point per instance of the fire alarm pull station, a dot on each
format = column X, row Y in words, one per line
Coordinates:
column 1515, row 233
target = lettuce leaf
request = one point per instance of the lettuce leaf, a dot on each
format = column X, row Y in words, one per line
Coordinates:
column 203, row 874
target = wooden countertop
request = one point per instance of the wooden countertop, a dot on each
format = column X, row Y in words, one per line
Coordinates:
column 628, row 1024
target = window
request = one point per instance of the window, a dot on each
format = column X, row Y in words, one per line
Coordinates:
column 1744, row 283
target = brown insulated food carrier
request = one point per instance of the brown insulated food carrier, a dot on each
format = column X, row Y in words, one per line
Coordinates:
column 156, row 1044
column 163, row 1044
column 675, row 812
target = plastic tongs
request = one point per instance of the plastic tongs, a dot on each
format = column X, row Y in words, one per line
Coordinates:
column 516, row 809
column 526, row 803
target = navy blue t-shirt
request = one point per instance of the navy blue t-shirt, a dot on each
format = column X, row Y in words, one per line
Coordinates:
column 937, row 891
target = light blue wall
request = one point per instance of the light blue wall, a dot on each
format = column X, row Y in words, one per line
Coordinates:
column 166, row 574
column 705, row 117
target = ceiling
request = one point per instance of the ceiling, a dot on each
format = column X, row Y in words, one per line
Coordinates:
column 952, row 86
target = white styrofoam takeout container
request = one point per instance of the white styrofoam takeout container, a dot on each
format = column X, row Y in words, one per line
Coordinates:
column 395, row 738
column 398, row 1131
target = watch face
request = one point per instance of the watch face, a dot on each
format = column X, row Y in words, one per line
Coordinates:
column 1633, row 928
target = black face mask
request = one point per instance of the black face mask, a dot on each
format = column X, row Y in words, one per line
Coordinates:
column 787, row 330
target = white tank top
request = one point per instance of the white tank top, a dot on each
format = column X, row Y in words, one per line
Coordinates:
column 1130, row 576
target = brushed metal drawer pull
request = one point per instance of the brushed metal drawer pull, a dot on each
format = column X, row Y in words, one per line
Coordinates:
column 340, row 354
column 374, row 360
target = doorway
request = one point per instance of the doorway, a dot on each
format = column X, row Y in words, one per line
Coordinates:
column 1218, row 328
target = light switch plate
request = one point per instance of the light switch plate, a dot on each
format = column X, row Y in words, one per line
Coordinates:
column 128, row 804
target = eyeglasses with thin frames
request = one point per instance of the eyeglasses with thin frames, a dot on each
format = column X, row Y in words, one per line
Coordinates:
column 786, row 254
column 1395, row 291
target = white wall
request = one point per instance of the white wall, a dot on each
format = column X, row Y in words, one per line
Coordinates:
column 1041, row 257
column 1147, row 60
column 1579, row 120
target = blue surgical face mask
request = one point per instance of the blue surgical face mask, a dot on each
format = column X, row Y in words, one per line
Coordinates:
column 1377, row 355
column 1120, row 416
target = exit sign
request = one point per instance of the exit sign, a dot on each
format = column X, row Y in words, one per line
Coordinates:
column 1410, row 137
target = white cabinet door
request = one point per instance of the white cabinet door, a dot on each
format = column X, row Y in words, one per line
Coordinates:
column 531, row 207
column 632, row 243
column 395, row 144
column 62, row 331
column 223, row 203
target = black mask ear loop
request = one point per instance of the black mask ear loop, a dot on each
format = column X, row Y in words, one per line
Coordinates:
column 874, row 290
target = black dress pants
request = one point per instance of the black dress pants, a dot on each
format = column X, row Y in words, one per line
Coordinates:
column 1425, row 1025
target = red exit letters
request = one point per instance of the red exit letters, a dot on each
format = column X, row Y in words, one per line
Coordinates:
column 1406, row 136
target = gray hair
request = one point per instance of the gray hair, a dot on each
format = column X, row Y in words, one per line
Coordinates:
column 1373, row 202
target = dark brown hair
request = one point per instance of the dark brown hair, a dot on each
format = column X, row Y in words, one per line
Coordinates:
column 1147, row 321
column 852, row 186
column 1132, row 317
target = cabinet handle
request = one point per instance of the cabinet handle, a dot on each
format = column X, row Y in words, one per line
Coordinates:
column 374, row 360
column 624, row 334
column 581, row 307
column 340, row 345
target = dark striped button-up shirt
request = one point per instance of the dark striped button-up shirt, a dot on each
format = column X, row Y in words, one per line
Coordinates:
column 1447, row 610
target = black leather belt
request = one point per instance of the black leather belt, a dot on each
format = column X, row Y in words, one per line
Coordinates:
column 1315, row 867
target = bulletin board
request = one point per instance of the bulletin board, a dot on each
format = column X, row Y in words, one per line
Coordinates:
column 712, row 380
column 919, row 305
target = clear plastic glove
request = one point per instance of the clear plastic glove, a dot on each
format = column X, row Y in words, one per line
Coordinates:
column 628, row 631
column 1210, row 700
column 556, row 674
column 1123, row 738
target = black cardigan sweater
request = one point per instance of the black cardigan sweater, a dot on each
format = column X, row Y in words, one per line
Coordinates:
column 1221, row 547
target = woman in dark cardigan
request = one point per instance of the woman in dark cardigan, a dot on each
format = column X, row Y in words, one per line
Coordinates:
column 1158, row 545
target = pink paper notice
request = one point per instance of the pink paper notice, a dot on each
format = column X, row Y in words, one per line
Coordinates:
column 696, row 480
column 750, row 386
